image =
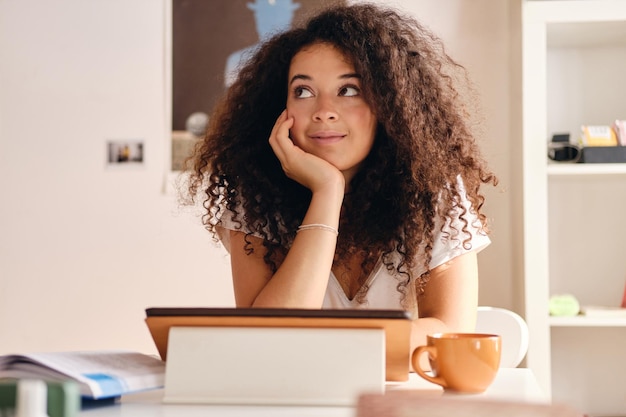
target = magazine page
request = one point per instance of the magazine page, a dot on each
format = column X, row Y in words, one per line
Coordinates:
column 101, row 374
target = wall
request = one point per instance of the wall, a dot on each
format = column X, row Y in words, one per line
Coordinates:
column 477, row 34
column 85, row 248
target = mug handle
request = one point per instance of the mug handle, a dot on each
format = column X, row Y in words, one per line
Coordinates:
column 415, row 359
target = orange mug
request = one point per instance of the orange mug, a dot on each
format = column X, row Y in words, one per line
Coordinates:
column 461, row 362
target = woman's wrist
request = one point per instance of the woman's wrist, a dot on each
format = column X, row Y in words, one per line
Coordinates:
column 333, row 189
column 318, row 226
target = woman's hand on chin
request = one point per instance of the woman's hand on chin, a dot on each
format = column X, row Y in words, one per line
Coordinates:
column 305, row 168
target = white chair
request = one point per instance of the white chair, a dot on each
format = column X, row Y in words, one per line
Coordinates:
column 511, row 327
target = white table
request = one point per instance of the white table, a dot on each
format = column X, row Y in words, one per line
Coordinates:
column 515, row 384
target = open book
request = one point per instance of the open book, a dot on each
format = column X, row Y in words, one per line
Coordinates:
column 99, row 374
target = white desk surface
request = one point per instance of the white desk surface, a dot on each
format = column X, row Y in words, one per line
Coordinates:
column 515, row 384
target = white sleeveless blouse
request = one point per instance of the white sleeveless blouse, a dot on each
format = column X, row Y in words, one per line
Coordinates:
column 382, row 293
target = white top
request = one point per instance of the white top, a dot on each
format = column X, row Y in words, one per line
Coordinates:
column 382, row 292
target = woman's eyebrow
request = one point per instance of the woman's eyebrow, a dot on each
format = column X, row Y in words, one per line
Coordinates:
column 299, row 77
column 308, row 78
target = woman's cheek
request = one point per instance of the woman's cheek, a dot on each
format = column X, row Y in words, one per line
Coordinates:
column 295, row 133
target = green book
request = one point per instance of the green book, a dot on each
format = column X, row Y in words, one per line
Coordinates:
column 63, row 398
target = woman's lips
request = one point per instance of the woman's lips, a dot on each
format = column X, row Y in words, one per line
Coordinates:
column 327, row 136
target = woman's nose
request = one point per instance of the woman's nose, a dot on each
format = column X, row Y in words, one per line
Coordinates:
column 325, row 110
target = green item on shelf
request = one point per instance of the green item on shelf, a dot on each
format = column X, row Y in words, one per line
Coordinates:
column 564, row 305
column 63, row 398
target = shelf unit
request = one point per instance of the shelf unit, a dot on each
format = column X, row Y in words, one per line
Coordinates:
column 573, row 66
column 586, row 169
column 581, row 321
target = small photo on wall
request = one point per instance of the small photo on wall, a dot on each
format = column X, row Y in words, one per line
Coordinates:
column 125, row 152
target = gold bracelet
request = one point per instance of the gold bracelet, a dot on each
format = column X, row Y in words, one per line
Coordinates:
column 318, row 226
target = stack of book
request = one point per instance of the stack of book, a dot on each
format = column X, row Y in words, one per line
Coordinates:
column 603, row 144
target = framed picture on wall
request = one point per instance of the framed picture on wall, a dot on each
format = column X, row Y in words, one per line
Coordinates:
column 207, row 41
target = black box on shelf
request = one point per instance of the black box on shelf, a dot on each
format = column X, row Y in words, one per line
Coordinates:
column 603, row 154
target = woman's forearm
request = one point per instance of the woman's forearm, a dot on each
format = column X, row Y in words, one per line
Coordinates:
column 302, row 278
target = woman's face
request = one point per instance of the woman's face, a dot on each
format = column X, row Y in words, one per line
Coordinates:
column 332, row 120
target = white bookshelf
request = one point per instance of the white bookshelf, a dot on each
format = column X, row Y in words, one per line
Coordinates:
column 573, row 64
column 566, row 169
column 581, row 321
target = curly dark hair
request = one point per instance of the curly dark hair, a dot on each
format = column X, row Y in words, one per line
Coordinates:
column 424, row 144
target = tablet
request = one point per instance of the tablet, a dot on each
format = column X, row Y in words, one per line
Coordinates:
column 396, row 323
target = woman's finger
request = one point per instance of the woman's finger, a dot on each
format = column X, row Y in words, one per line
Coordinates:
column 279, row 140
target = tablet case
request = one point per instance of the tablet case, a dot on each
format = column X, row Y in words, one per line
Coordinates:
column 396, row 323
column 273, row 365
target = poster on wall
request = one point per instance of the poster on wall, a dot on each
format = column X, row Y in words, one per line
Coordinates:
column 209, row 40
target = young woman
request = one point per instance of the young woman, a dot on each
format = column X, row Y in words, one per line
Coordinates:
column 340, row 171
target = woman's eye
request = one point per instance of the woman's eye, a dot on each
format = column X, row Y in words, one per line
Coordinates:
column 349, row 91
column 301, row 92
